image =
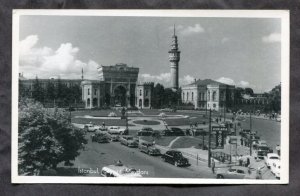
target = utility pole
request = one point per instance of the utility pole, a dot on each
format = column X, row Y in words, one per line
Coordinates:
column 209, row 138
column 250, row 134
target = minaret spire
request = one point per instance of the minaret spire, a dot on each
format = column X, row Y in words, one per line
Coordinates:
column 82, row 74
column 174, row 30
column 174, row 58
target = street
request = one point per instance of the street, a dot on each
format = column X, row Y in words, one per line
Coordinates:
column 97, row 155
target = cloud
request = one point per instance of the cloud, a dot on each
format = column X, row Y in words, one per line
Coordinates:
column 243, row 84
column 230, row 81
column 45, row 62
column 165, row 79
column 272, row 38
column 190, row 30
column 186, row 80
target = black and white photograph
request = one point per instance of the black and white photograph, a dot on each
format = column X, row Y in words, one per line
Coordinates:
column 150, row 96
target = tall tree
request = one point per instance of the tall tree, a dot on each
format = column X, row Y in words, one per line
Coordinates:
column 275, row 98
column 38, row 92
column 46, row 138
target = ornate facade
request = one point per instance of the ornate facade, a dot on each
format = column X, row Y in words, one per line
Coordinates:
column 144, row 94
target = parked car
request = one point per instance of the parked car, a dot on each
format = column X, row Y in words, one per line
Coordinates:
column 90, row 127
column 100, row 138
column 149, row 148
column 129, row 141
column 116, row 129
column 275, row 168
column 173, row 131
column 271, row 158
column 146, row 131
column 114, row 136
column 175, row 157
column 234, row 172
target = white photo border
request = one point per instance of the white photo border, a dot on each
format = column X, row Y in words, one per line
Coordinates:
column 285, row 95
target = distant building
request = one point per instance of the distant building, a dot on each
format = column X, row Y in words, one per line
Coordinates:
column 255, row 99
column 208, row 94
column 144, row 93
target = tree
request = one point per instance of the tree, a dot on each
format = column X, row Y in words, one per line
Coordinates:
column 275, row 98
column 50, row 91
column 249, row 91
column 46, row 138
column 38, row 92
column 158, row 94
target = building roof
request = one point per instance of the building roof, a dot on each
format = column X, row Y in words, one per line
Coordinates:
column 206, row 82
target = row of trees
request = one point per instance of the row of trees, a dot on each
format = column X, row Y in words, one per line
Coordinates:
column 53, row 92
column 46, row 138
column 165, row 97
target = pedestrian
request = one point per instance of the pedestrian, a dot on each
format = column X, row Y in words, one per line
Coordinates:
column 242, row 141
column 278, row 149
column 248, row 161
column 103, row 125
column 213, row 165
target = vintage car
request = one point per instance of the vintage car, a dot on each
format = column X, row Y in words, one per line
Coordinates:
column 149, row 148
column 275, row 168
column 146, row 131
column 128, row 141
column 234, row 172
column 100, row 138
column 116, row 129
column 114, row 136
column 90, row 127
column 261, row 151
column 175, row 157
column 119, row 170
column 173, row 131
column 271, row 158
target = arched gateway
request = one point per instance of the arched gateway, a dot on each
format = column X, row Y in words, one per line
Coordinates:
column 116, row 86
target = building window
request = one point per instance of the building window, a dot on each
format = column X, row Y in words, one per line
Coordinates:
column 192, row 96
column 88, row 102
column 88, row 91
column 214, row 96
column 95, row 92
column 140, row 92
column 146, row 93
column 208, row 96
column 187, row 96
column 182, row 96
column 214, row 105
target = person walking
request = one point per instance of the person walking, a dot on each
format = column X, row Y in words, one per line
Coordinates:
column 213, row 165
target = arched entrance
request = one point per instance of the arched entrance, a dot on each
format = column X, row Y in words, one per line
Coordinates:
column 95, row 102
column 120, row 96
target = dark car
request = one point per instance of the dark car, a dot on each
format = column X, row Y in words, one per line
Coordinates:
column 177, row 131
column 146, row 131
column 175, row 157
column 100, row 138
column 174, row 131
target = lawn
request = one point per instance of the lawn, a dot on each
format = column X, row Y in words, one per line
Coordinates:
column 165, row 141
column 146, row 122
column 187, row 142
column 108, row 122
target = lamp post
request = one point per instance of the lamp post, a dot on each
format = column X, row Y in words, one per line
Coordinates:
column 250, row 134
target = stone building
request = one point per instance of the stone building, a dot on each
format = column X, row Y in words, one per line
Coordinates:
column 144, row 93
column 208, row 94
column 116, row 87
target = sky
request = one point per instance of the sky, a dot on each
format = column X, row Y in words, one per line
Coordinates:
column 239, row 51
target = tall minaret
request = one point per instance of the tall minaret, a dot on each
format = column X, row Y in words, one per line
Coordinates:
column 174, row 58
column 82, row 74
